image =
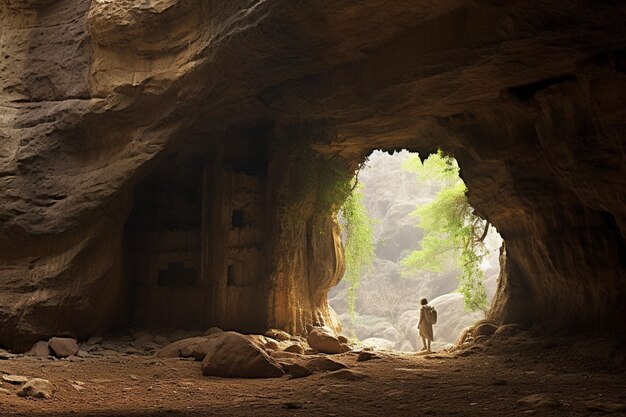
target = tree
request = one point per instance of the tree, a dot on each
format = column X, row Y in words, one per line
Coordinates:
column 454, row 234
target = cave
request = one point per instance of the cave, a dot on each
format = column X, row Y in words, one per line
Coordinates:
column 179, row 164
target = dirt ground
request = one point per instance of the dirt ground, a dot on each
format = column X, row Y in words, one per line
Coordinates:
column 565, row 377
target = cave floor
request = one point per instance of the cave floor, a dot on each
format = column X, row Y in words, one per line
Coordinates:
column 485, row 380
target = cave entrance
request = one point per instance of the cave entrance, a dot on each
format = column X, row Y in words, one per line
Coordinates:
column 386, row 309
column 194, row 241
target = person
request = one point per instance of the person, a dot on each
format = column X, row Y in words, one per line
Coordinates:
column 425, row 324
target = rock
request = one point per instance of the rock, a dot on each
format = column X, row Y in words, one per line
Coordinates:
column 63, row 346
column 5, row 391
column 292, row 405
column 141, row 338
column 347, row 375
column 484, row 329
column 14, row 379
column 295, row 348
column 39, row 349
column 277, row 334
column 323, row 340
column 324, row 364
column 235, row 356
column 257, row 339
column 342, row 339
column 298, row 371
column 83, row 354
column 508, row 330
column 94, row 340
column 538, row 401
column 366, row 356
column 272, row 345
column 606, row 406
column 162, row 340
column 37, row 388
column 6, row 355
column 173, row 350
column 213, row 330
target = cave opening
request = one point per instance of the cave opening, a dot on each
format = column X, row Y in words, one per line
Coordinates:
column 385, row 313
column 194, row 250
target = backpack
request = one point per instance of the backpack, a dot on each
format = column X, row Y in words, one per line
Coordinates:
column 433, row 315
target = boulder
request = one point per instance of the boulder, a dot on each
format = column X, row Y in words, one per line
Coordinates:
column 324, row 364
column 484, row 329
column 37, row 388
column 63, row 346
column 323, row 340
column 233, row 355
column 39, row 349
column 366, row 356
column 277, row 334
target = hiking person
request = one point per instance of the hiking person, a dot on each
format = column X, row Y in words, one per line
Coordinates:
column 428, row 317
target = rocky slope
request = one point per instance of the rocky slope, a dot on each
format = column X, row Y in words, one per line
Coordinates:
column 97, row 96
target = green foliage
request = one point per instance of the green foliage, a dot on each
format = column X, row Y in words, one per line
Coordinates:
column 359, row 243
column 454, row 234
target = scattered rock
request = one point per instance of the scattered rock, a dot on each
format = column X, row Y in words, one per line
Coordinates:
column 538, row 401
column 39, row 349
column 94, row 340
column 484, row 329
column 295, row 348
column 5, row 391
column 234, row 355
column 323, row 340
column 298, row 371
column 324, row 364
column 6, row 355
column 36, row 388
column 14, row 379
column 83, row 354
column 366, row 356
column 77, row 387
column 347, row 375
column 277, row 334
column 63, row 346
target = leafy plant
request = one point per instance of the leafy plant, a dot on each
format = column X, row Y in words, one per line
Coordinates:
column 359, row 242
column 454, row 234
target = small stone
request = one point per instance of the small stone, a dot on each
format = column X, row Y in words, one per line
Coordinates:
column 536, row 401
column 278, row 335
column 292, row 405
column 6, row 355
column 94, row 340
column 213, row 330
column 347, row 375
column 5, row 391
column 324, row 364
column 134, row 377
column 484, row 329
column 295, row 348
column 299, row 371
column 77, row 387
column 366, row 356
column 342, row 339
column 37, row 388
column 40, row 349
column 63, row 346
column 606, row 406
column 14, row 379
column 83, row 354
column 161, row 340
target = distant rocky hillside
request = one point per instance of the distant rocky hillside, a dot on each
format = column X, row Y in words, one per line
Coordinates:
column 388, row 304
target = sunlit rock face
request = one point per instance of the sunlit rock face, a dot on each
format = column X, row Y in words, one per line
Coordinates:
column 98, row 96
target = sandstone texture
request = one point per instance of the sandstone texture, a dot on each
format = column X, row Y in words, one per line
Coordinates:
column 163, row 163
column 37, row 388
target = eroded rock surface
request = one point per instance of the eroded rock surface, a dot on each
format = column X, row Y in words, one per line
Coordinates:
column 102, row 101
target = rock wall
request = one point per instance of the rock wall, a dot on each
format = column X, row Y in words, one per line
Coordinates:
column 530, row 100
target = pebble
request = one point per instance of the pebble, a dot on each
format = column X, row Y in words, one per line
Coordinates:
column 14, row 379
